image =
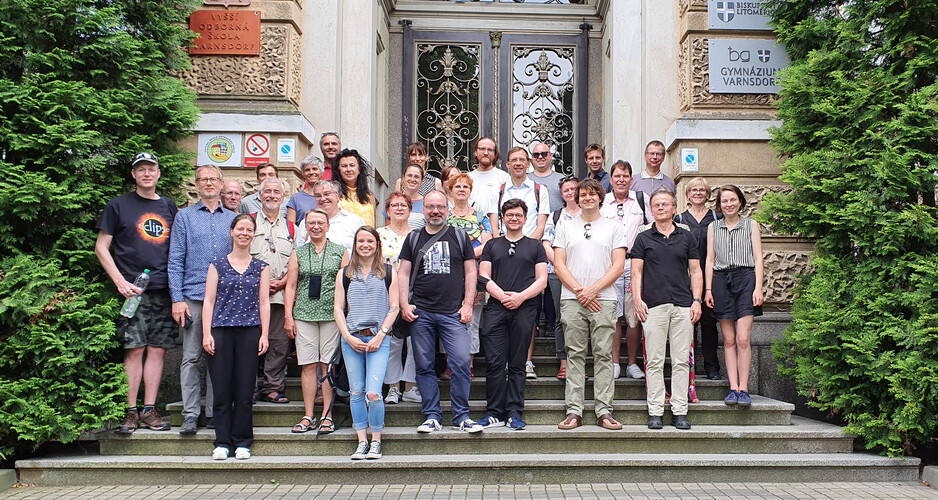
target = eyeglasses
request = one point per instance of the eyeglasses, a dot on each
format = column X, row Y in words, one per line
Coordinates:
column 398, row 205
column 437, row 208
column 588, row 230
column 512, row 245
column 540, row 154
column 620, row 212
column 513, row 216
column 316, row 223
column 486, row 150
column 323, row 194
column 698, row 190
column 206, row 180
column 654, row 153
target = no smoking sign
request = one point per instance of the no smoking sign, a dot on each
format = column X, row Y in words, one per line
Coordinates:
column 256, row 150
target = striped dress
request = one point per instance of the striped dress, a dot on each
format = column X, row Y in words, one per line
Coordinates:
column 732, row 247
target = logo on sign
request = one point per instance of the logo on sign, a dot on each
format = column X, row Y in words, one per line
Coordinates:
column 689, row 159
column 219, row 149
column 258, row 145
column 285, row 149
column 738, row 55
column 726, row 11
column 764, row 55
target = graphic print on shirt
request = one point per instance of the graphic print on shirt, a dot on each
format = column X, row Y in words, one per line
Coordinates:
column 470, row 224
column 152, row 228
column 437, row 260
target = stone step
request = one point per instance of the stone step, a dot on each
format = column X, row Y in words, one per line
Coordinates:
column 548, row 366
column 764, row 411
column 803, row 436
column 548, row 387
column 471, row 468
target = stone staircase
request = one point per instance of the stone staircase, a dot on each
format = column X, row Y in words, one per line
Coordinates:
column 765, row 443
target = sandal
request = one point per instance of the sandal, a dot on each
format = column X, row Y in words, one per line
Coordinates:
column 326, row 427
column 301, row 427
column 278, row 398
column 692, row 395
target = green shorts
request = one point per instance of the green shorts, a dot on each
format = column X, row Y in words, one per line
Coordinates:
column 152, row 325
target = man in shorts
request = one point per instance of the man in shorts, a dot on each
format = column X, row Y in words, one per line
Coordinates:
column 138, row 224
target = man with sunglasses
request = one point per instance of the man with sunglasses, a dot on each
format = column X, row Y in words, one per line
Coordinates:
column 651, row 177
column 513, row 270
column 589, row 255
column 273, row 244
column 545, row 175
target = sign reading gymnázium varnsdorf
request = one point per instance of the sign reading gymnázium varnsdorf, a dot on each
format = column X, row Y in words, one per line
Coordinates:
column 745, row 66
column 226, row 32
column 749, row 15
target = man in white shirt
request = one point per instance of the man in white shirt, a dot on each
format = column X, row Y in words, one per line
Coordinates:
column 522, row 188
column 342, row 224
column 487, row 177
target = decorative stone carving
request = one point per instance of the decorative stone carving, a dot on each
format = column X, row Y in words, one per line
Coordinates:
column 265, row 75
column 696, row 5
column 496, row 37
column 694, row 66
column 296, row 68
column 781, row 271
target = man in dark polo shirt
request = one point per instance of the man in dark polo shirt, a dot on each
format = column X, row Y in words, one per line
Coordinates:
column 667, row 301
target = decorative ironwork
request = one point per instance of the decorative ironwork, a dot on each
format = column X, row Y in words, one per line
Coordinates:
column 447, row 95
column 542, row 87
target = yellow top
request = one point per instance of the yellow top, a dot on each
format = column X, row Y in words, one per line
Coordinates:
column 364, row 210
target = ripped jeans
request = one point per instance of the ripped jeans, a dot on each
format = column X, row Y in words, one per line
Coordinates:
column 366, row 375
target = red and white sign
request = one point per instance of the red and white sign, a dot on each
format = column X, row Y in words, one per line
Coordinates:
column 256, row 150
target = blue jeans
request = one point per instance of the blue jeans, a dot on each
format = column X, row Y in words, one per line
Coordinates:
column 455, row 339
column 366, row 374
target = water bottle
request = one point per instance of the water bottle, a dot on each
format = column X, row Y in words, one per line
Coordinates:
column 130, row 305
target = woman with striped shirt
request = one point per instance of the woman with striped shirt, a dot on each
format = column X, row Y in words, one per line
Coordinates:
column 734, row 287
column 365, row 309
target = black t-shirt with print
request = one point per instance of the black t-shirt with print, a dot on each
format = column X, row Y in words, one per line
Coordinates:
column 439, row 286
column 140, row 228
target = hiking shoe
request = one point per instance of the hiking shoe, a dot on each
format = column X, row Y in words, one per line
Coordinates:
column 633, row 371
column 189, row 426
column 361, row 452
column 210, row 422
column 242, row 453
column 469, row 426
column 152, row 420
column 374, row 452
column 394, row 396
column 732, row 398
column 220, row 453
column 516, row 424
column 681, row 422
column 431, row 425
column 490, row 421
column 655, row 422
column 616, row 370
column 412, row 396
column 529, row 371
column 743, row 399
column 129, row 425
column 447, row 374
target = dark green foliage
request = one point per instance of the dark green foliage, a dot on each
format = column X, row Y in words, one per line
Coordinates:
column 860, row 138
column 84, row 85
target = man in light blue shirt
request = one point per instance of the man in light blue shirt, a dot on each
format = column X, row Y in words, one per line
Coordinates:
column 522, row 188
column 201, row 233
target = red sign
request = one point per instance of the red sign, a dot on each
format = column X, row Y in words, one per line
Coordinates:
column 226, row 32
column 256, row 150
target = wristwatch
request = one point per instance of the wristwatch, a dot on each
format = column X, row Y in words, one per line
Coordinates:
column 385, row 330
column 698, row 300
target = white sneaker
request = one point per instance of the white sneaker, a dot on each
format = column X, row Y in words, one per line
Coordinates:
column 616, row 370
column 242, row 453
column 361, row 452
column 430, row 425
column 220, row 453
column 529, row 371
column 374, row 452
column 412, row 396
column 633, row 371
column 470, row 426
column 394, row 396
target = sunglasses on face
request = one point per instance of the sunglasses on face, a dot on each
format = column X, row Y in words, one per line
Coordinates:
column 541, row 154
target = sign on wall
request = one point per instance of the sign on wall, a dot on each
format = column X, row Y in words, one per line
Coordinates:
column 746, row 66
column 256, row 149
column 286, row 150
column 221, row 149
column 689, row 160
column 750, row 15
column 226, row 32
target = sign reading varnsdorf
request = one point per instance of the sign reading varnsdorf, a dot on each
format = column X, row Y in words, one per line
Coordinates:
column 746, row 66
column 748, row 15
column 226, row 32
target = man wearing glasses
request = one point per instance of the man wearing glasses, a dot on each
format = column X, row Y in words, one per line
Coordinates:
column 652, row 178
column 589, row 255
column 273, row 244
column 627, row 208
column 486, row 177
column 545, row 175
column 201, row 234
column 329, row 145
column 253, row 204
column 342, row 224
column 513, row 270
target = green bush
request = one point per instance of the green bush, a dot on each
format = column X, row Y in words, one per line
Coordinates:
column 860, row 111
column 84, row 85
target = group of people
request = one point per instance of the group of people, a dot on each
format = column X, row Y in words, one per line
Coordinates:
column 463, row 263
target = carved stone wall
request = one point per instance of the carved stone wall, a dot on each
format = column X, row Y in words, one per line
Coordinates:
column 696, row 5
column 276, row 72
column 781, row 269
column 694, row 68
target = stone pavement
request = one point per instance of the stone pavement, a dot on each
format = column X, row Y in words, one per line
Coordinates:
column 792, row 491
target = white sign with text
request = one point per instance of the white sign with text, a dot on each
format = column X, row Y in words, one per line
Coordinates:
column 750, row 15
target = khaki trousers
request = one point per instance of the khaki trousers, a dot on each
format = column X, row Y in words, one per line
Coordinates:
column 665, row 322
column 579, row 325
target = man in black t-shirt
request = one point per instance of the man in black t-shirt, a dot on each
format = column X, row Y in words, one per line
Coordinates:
column 440, row 306
column 513, row 270
column 666, row 287
column 138, row 224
